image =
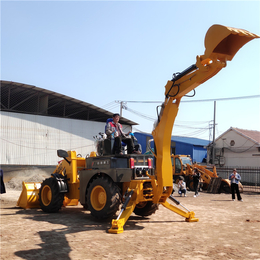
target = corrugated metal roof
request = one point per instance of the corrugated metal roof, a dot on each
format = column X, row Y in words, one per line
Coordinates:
column 190, row 140
column 182, row 139
column 28, row 99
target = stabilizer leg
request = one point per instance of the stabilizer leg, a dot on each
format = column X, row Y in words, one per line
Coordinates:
column 189, row 216
column 126, row 210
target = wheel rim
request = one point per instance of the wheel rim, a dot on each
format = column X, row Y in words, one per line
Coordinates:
column 98, row 198
column 46, row 195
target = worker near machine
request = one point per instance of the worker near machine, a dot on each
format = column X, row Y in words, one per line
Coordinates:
column 114, row 129
column 196, row 179
column 137, row 146
column 235, row 179
column 182, row 187
column 2, row 185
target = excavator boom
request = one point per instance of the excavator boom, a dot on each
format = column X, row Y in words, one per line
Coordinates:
column 221, row 44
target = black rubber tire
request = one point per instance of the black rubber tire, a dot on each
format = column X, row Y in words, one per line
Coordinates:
column 145, row 208
column 224, row 187
column 51, row 200
column 111, row 198
column 190, row 185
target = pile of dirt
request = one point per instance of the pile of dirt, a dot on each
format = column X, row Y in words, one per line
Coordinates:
column 28, row 175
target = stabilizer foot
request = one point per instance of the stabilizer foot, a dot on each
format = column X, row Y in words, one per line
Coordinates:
column 191, row 217
column 117, row 226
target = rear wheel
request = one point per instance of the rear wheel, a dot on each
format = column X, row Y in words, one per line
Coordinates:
column 103, row 198
column 51, row 200
column 146, row 208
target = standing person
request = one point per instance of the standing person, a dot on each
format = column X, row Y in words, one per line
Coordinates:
column 2, row 185
column 196, row 179
column 235, row 179
column 115, row 128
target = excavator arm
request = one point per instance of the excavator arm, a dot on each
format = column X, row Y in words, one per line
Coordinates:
column 221, row 45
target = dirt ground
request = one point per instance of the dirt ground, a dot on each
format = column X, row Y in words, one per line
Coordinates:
column 226, row 230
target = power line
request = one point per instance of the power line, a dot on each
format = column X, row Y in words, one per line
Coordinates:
column 198, row 100
column 222, row 99
column 110, row 106
column 140, row 114
column 196, row 130
column 135, row 101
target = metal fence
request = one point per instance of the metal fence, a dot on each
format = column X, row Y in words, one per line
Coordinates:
column 250, row 177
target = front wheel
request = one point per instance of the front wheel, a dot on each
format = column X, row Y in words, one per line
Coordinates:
column 103, row 198
column 51, row 200
column 191, row 185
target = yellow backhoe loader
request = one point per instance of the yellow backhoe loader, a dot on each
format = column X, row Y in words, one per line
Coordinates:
column 182, row 166
column 103, row 183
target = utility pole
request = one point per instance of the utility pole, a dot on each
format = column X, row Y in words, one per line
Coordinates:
column 121, row 108
column 214, row 131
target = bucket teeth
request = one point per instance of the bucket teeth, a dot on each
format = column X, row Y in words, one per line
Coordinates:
column 222, row 42
column 242, row 32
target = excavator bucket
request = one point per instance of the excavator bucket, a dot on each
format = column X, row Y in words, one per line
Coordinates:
column 29, row 197
column 222, row 42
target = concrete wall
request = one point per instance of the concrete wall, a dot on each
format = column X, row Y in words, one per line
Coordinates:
column 34, row 140
column 237, row 151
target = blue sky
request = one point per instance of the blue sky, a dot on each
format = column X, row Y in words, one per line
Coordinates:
column 103, row 51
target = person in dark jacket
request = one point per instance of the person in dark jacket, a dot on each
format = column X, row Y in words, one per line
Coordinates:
column 196, row 179
column 2, row 185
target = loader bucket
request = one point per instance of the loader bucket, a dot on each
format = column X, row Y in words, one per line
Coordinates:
column 226, row 186
column 29, row 197
column 222, row 42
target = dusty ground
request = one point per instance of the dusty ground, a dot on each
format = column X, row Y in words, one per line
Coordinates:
column 226, row 230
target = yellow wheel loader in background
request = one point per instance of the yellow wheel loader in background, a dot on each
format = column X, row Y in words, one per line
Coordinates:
column 104, row 183
column 182, row 166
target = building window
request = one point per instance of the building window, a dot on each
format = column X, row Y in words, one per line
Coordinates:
column 232, row 143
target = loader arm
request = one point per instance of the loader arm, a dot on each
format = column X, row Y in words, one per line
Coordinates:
column 221, row 44
column 205, row 174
